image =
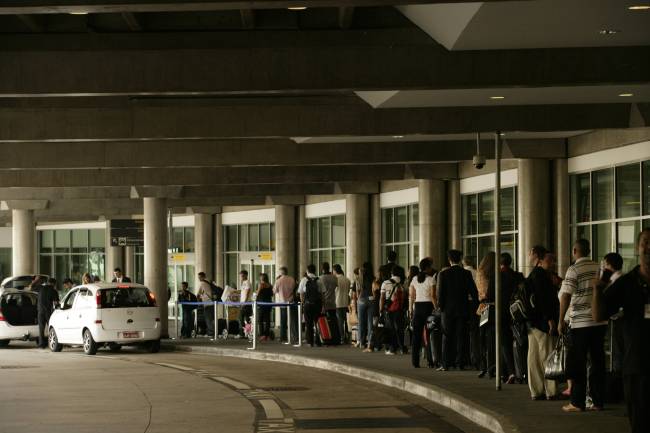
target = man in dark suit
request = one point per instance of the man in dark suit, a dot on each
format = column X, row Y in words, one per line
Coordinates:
column 118, row 277
column 457, row 297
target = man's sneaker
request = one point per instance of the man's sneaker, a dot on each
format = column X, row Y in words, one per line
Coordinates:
column 388, row 352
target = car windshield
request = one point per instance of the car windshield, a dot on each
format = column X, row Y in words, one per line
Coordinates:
column 126, row 297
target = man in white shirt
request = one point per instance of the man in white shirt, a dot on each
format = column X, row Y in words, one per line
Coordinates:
column 311, row 296
column 586, row 335
column 342, row 300
column 246, row 311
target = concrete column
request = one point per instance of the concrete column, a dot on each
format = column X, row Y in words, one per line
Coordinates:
column 155, row 253
column 129, row 262
column 203, row 237
column 533, row 208
column 285, row 238
column 375, row 230
column 454, row 215
column 562, row 212
column 23, row 251
column 357, row 221
column 433, row 238
column 219, row 272
column 114, row 256
column 303, row 254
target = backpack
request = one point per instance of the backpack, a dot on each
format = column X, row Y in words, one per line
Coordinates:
column 217, row 292
column 522, row 304
column 312, row 291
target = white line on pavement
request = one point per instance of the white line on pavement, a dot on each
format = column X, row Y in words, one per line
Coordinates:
column 233, row 383
column 177, row 367
column 272, row 409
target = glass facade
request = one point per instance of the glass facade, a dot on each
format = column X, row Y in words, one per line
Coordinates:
column 5, row 263
column 242, row 238
column 621, row 207
column 478, row 223
column 326, row 240
column 182, row 242
column 71, row 253
column 400, row 232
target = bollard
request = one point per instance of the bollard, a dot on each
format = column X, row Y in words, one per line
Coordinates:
column 216, row 321
column 299, row 325
column 288, row 323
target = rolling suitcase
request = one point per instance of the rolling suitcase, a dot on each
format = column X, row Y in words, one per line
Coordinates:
column 328, row 331
column 434, row 340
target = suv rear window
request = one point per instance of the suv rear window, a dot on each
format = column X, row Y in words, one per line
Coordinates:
column 130, row 297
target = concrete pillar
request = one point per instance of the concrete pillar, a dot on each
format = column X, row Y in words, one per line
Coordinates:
column 375, row 230
column 23, row 242
column 454, row 216
column 285, row 238
column 533, row 208
column 357, row 221
column 562, row 212
column 433, row 238
column 129, row 262
column 203, row 237
column 114, row 256
column 219, row 272
column 155, row 253
column 303, row 254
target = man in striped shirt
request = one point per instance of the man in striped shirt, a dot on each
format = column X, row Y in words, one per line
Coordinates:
column 586, row 336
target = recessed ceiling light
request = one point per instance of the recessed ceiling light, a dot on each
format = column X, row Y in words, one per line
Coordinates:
column 608, row 32
column 297, row 8
column 626, row 94
column 78, row 13
column 398, row 136
column 497, row 97
column 639, row 7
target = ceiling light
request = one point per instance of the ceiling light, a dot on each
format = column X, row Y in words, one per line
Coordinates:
column 398, row 136
column 78, row 13
column 297, row 8
column 497, row 97
column 639, row 7
column 608, row 32
column 626, row 95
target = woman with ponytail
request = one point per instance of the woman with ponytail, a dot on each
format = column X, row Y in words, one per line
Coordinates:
column 422, row 296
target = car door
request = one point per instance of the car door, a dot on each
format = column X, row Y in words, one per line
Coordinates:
column 65, row 322
column 83, row 312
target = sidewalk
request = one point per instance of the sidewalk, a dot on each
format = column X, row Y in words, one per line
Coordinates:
column 509, row 410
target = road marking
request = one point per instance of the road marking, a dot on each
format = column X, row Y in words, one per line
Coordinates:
column 175, row 366
column 231, row 382
column 272, row 409
column 273, row 426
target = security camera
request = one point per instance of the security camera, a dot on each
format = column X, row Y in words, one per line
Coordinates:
column 478, row 161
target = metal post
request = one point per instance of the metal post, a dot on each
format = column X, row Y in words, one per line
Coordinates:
column 497, row 260
column 216, row 322
column 299, row 318
column 254, row 323
column 178, row 315
column 288, row 323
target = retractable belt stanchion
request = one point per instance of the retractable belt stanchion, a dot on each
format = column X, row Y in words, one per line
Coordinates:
column 216, row 322
column 178, row 315
column 288, row 323
column 254, row 325
column 299, row 325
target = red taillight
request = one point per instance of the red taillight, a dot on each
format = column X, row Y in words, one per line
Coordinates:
column 2, row 317
column 123, row 286
column 98, row 299
column 152, row 299
column 98, row 322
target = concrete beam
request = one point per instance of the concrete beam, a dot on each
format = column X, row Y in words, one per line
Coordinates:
column 78, row 182
column 139, row 63
column 24, row 204
column 277, row 117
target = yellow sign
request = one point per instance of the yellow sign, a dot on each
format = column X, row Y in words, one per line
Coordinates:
column 178, row 257
column 265, row 256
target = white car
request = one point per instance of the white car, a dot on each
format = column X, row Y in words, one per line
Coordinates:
column 18, row 316
column 19, row 282
column 104, row 314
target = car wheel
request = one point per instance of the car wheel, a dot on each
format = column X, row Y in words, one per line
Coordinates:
column 53, row 341
column 90, row 347
column 153, row 346
column 4, row 343
column 114, row 347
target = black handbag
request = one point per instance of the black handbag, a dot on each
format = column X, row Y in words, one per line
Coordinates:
column 555, row 365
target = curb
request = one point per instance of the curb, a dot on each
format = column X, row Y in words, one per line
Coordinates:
column 486, row 418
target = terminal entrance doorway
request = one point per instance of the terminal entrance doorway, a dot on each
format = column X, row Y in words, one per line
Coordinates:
column 256, row 263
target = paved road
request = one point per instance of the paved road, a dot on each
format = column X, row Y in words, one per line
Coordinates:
column 174, row 392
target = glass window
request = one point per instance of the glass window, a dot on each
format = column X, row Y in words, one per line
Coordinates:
column 415, row 218
column 325, row 233
column 485, row 245
column 5, row 262
column 582, row 232
column 603, row 193
column 98, row 240
column 265, row 237
column 402, row 253
column 387, row 225
column 580, row 198
column 79, row 241
column 626, row 235
column 508, row 209
column 188, row 242
column 338, row 231
column 313, row 233
column 338, row 257
column 232, row 269
column 62, row 268
column 243, row 237
column 509, row 245
column 602, row 243
column 470, row 214
column 231, row 238
column 177, row 239
column 628, row 200
column 486, row 212
column 470, row 246
column 646, row 187
column 62, row 241
column 324, row 256
column 44, row 265
column 402, row 227
column 253, row 237
column 272, row 236
column 96, row 263
column 79, row 266
column 47, row 241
